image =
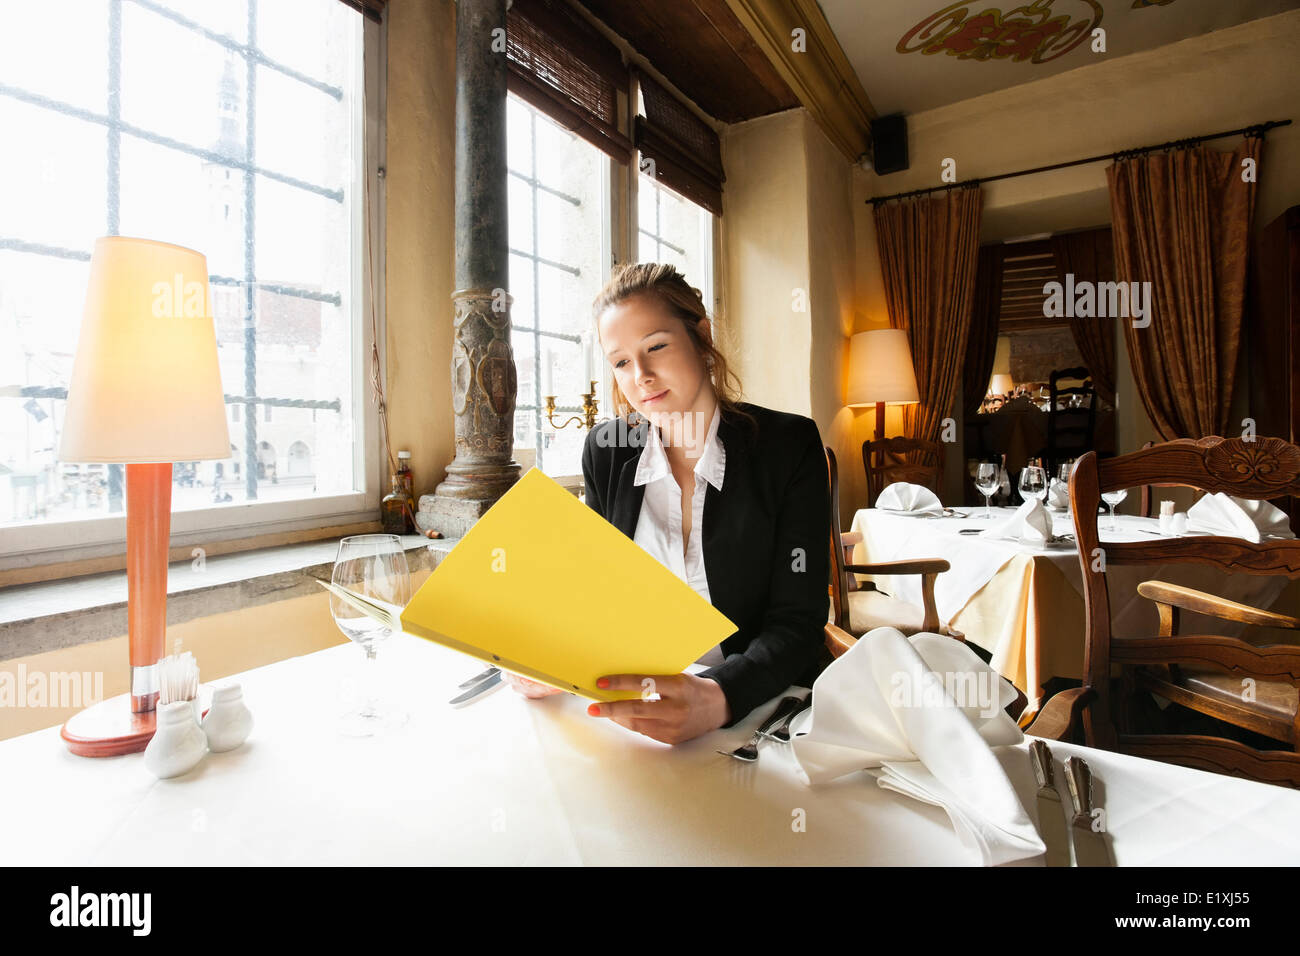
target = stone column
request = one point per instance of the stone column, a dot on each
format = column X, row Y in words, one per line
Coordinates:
column 483, row 380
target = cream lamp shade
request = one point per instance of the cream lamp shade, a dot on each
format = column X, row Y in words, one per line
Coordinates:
column 1000, row 385
column 880, row 369
column 146, row 385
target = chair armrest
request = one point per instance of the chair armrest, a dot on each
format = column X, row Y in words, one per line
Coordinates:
column 849, row 538
column 1059, row 718
column 838, row 640
column 919, row 566
column 1169, row 596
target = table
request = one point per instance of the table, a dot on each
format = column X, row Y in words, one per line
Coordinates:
column 1025, row 606
column 511, row 781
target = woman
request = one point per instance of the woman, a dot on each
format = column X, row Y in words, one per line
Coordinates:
column 731, row 497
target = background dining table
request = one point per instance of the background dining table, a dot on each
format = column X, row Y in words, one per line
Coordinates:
column 506, row 780
column 1023, row 604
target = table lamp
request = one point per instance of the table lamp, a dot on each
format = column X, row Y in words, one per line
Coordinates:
column 1000, row 385
column 880, row 373
column 145, row 391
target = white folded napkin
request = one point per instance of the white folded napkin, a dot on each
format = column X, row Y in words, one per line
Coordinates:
column 1058, row 495
column 927, row 711
column 914, row 499
column 1031, row 525
column 1223, row 514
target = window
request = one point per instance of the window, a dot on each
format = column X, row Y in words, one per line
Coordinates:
column 559, row 250
column 235, row 129
column 671, row 228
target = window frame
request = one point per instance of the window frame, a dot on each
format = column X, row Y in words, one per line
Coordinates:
column 39, row 543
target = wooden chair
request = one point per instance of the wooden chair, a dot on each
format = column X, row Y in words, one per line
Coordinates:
column 886, row 461
column 1070, row 431
column 1200, row 672
column 854, row 612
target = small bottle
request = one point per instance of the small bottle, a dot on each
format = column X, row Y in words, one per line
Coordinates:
column 408, row 488
column 392, row 510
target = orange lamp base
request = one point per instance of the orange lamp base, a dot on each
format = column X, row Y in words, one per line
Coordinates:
column 109, row 729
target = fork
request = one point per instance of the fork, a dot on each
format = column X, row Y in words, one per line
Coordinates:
column 749, row 751
column 782, row 732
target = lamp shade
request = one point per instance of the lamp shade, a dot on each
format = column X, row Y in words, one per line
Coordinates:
column 1000, row 384
column 146, row 385
column 880, row 369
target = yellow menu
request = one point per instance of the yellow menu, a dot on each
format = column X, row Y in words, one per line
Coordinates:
column 543, row 586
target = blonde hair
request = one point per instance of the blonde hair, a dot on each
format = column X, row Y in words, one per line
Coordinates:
column 662, row 282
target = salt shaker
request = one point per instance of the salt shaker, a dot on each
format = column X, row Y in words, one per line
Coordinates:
column 178, row 744
column 1178, row 524
column 1166, row 517
column 229, row 721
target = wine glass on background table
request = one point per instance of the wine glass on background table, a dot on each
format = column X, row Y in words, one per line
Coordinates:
column 1113, row 498
column 374, row 566
column 988, row 478
column 1033, row 483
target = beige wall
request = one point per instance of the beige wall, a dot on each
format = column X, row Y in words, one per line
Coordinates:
column 1224, row 80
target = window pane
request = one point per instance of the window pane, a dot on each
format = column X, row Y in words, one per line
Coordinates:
column 52, row 188
column 183, row 95
column 570, row 194
column 673, row 229
column 34, row 57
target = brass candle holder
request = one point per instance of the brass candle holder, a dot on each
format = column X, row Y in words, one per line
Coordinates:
column 588, row 419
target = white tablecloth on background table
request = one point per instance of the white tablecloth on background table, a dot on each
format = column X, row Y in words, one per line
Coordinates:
column 1047, row 640
column 507, row 780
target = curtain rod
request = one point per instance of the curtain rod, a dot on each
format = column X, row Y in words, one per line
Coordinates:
column 1257, row 130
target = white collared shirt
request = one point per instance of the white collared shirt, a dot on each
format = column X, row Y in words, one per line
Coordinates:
column 659, row 526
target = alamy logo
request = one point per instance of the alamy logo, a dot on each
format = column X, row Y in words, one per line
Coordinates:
column 102, row 909
column 1088, row 300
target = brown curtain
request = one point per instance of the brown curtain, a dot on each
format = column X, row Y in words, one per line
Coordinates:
column 982, row 340
column 928, row 249
column 1089, row 256
column 1181, row 221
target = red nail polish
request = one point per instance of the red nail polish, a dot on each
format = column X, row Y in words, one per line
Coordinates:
column 603, row 682
column 594, row 710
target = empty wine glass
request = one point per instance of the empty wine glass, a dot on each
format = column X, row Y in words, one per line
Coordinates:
column 987, row 481
column 1113, row 498
column 1063, row 475
column 1033, row 483
column 373, row 566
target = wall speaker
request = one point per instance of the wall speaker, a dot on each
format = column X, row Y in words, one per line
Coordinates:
column 889, row 144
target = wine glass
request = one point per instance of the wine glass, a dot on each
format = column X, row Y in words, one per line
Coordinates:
column 1113, row 498
column 1063, row 475
column 1033, row 483
column 987, row 481
column 373, row 566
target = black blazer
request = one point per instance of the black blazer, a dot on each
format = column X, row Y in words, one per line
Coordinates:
column 766, row 551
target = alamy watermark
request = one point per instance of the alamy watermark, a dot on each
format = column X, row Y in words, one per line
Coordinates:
column 50, row 688
column 1089, row 300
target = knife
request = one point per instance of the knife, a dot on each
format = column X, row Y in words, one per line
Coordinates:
column 484, row 675
column 1051, row 815
column 1090, row 847
column 477, row 689
column 782, row 732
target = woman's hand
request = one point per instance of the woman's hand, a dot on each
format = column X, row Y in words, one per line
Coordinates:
column 688, row 706
column 531, row 688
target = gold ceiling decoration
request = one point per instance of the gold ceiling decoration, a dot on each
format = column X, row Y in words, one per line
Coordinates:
column 1038, row 31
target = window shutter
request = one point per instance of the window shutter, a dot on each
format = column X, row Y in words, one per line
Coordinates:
column 686, row 152
column 566, row 68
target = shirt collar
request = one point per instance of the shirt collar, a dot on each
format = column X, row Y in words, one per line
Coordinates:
column 711, row 465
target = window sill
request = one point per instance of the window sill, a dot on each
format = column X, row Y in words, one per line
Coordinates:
column 50, row 615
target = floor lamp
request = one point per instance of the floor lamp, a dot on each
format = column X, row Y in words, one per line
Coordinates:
column 145, row 391
column 880, row 374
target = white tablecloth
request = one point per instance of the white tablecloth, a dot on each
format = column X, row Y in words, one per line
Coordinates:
column 975, row 560
column 511, row 781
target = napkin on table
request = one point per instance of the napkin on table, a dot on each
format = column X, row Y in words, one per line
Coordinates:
column 1058, row 495
column 904, row 496
column 1223, row 514
column 1031, row 525
column 926, row 711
